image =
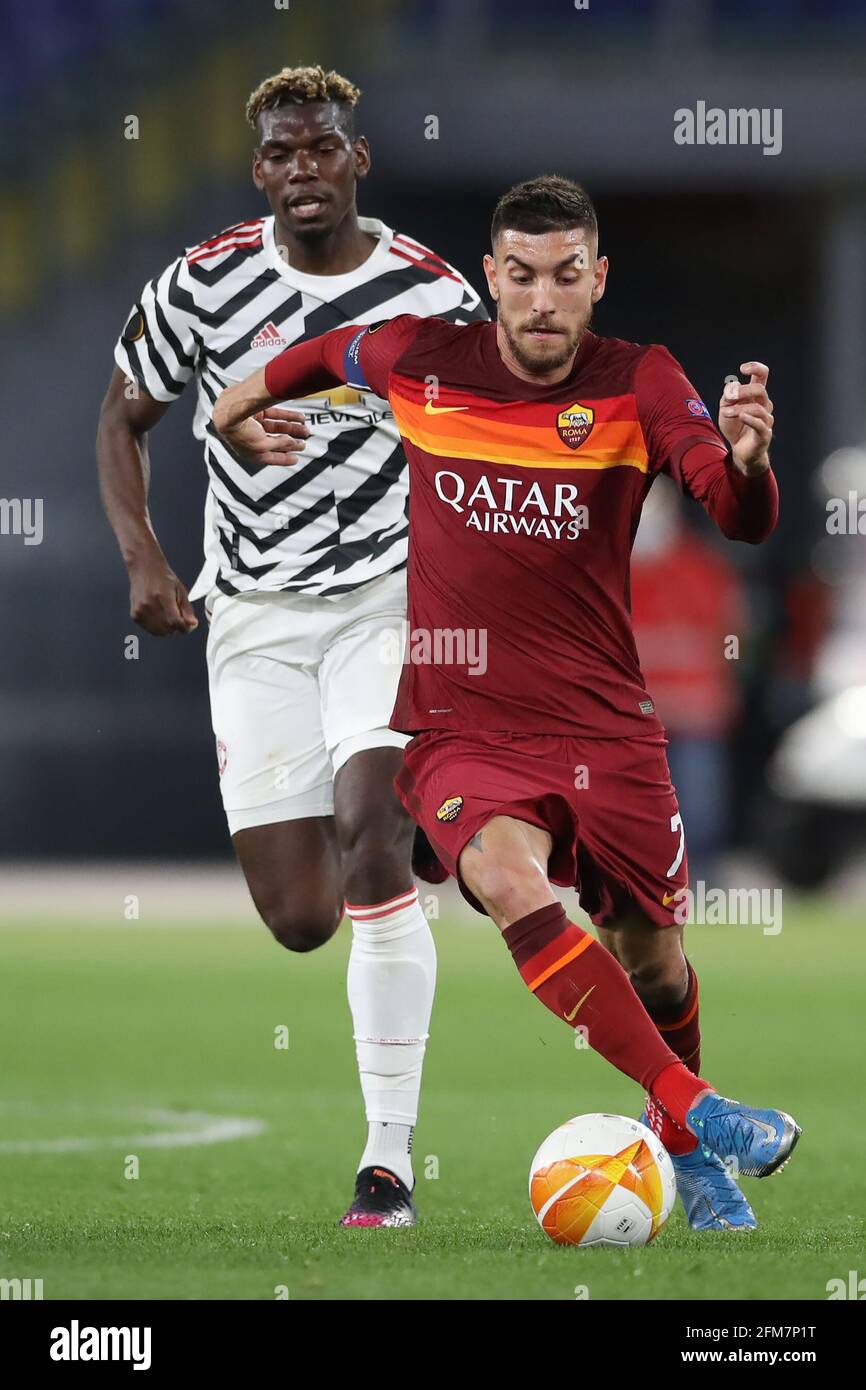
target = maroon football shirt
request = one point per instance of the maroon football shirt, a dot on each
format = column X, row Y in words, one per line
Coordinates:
column 524, row 503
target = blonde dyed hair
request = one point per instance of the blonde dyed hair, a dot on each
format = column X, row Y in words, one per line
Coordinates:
column 300, row 85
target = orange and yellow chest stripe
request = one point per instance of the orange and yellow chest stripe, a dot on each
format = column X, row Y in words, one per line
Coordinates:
column 585, row 433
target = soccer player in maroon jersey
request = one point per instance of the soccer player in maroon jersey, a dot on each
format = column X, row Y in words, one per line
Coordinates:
column 537, row 755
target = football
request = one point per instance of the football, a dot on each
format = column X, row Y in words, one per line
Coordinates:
column 602, row 1180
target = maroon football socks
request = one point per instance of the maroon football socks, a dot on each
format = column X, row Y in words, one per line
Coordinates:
column 582, row 983
column 681, row 1030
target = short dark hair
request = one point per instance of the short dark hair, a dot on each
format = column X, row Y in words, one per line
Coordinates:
column 548, row 203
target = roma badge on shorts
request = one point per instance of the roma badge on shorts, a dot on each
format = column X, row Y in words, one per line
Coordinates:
column 574, row 424
column 450, row 809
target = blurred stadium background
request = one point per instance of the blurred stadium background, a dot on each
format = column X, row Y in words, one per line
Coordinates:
column 107, row 764
column 719, row 252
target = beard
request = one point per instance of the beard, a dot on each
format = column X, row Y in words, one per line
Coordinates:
column 539, row 359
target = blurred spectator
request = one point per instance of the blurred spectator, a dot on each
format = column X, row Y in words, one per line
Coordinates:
column 689, row 619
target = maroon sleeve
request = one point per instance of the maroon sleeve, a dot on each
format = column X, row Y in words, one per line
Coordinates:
column 360, row 355
column 309, row 367
column 744, row 509
column 376, row 348
column 684, row 442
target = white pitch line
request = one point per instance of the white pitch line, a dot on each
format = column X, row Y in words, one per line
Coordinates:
column 209, row 1129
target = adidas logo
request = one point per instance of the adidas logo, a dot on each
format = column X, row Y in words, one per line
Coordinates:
column 269, row 336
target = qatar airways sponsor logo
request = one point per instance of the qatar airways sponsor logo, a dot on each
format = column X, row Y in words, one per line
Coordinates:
column 515, row 506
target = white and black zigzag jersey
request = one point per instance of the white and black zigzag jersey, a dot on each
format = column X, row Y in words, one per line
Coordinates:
column 220, row 312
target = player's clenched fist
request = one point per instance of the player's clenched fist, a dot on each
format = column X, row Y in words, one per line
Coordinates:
column 746, row 418
column 158, row 600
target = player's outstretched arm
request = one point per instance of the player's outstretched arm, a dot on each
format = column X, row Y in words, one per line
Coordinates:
column 359, row 355
column 158, row 600
column 264, row 435
column 746, row 419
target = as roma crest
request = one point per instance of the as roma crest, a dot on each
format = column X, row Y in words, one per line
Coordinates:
column 450, row 809
column 574, row 424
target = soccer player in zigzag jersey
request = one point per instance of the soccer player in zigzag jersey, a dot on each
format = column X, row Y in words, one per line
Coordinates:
column 545, row 764
column 304, row 581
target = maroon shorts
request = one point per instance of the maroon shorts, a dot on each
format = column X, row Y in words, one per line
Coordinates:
column 609, row 805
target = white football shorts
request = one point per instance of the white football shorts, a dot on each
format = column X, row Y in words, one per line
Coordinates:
column 299, row 684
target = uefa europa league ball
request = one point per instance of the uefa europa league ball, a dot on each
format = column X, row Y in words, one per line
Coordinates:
column 602, row 1180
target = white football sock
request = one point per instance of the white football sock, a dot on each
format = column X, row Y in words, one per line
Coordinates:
column 391, row 980
column 389, row 1146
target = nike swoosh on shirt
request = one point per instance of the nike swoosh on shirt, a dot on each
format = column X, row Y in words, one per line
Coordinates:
column 431, row 409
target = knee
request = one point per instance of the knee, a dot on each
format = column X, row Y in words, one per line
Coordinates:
column 507, row 890
column 386, row 833
column 298, row 929
column 376, row 854
column 661, row 986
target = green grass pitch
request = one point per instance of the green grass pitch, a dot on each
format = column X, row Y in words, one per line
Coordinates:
column 103, row 1025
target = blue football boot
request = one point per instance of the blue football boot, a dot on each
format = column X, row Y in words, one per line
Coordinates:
column 761, row 1141
column 710, row 1197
